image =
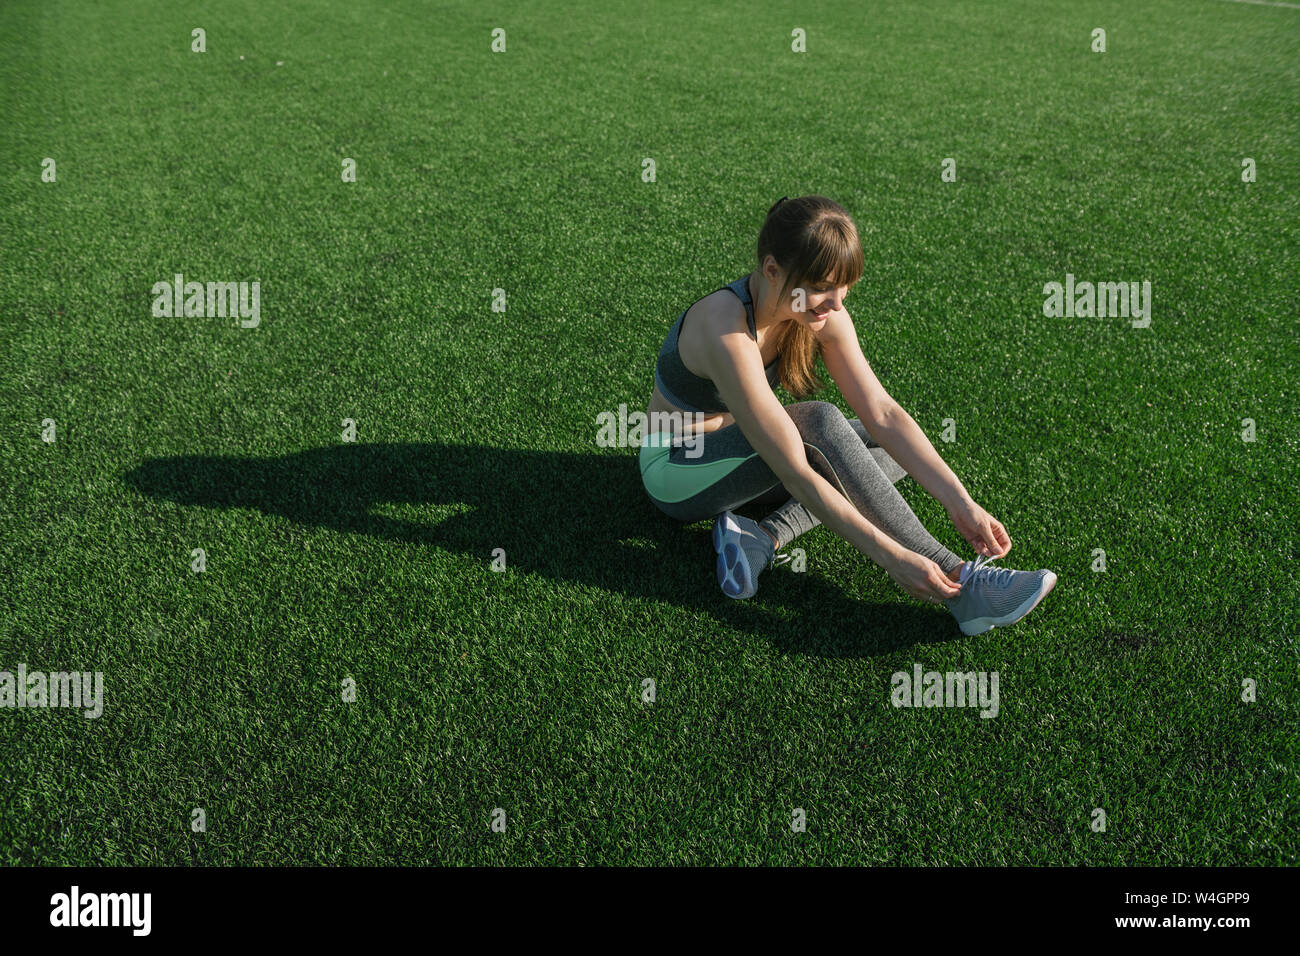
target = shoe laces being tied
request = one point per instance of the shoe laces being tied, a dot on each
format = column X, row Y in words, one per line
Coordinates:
column 980, row 572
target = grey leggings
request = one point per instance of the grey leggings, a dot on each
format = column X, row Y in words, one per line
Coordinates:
column 839, row 449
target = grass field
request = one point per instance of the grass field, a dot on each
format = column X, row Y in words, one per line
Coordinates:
column 329, row 560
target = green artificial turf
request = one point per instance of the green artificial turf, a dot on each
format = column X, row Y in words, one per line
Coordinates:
column 476, row 430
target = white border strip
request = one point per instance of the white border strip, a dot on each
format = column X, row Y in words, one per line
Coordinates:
column 1267, row 3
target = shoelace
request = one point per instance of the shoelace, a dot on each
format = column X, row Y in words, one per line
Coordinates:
column 779, row 559
column 996, row 576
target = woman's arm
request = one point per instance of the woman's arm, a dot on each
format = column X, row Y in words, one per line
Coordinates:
column 736, row 368
column 898, row 434
column 886, row 420
column 895, row 431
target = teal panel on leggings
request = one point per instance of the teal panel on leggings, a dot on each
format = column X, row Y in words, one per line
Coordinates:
column 671, row 482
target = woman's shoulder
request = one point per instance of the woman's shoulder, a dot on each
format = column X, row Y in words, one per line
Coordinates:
column 718, row 313
column 705, row 323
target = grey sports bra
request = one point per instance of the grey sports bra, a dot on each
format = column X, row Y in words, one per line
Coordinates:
column 683, row 387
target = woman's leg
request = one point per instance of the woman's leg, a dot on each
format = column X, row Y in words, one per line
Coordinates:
column 838, row 452
column 719, row 472
column 892, row 469
column 730, row 473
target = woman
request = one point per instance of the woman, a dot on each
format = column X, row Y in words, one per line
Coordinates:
column 713, row 385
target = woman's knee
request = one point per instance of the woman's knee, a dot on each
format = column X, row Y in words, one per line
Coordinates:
column 820, row 420
column 814, row 412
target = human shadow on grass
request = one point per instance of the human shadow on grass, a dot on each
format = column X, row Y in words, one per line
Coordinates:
column 583, row 518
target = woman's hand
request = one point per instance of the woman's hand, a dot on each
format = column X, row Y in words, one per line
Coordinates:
column 984, row 532
column 921, row 577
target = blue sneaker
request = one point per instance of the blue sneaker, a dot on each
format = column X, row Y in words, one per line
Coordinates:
column 995, row 597
column 744, row 550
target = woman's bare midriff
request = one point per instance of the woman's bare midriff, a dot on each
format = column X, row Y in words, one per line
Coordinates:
column 712, row 421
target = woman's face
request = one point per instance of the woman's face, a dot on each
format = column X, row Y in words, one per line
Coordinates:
column 821, row 298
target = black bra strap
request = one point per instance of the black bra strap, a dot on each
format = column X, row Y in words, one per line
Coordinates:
column 743, row 293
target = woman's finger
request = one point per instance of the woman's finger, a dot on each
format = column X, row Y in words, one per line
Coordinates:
column 1003, row 539
column 944, row 587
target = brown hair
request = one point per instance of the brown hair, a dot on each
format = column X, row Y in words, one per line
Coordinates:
column 814, row 240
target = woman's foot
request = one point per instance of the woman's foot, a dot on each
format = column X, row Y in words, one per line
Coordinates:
column 995, row 597
column 744, row 549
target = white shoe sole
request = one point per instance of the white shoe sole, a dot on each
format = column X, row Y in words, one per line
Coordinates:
column 735, row 577
column 978, row 625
